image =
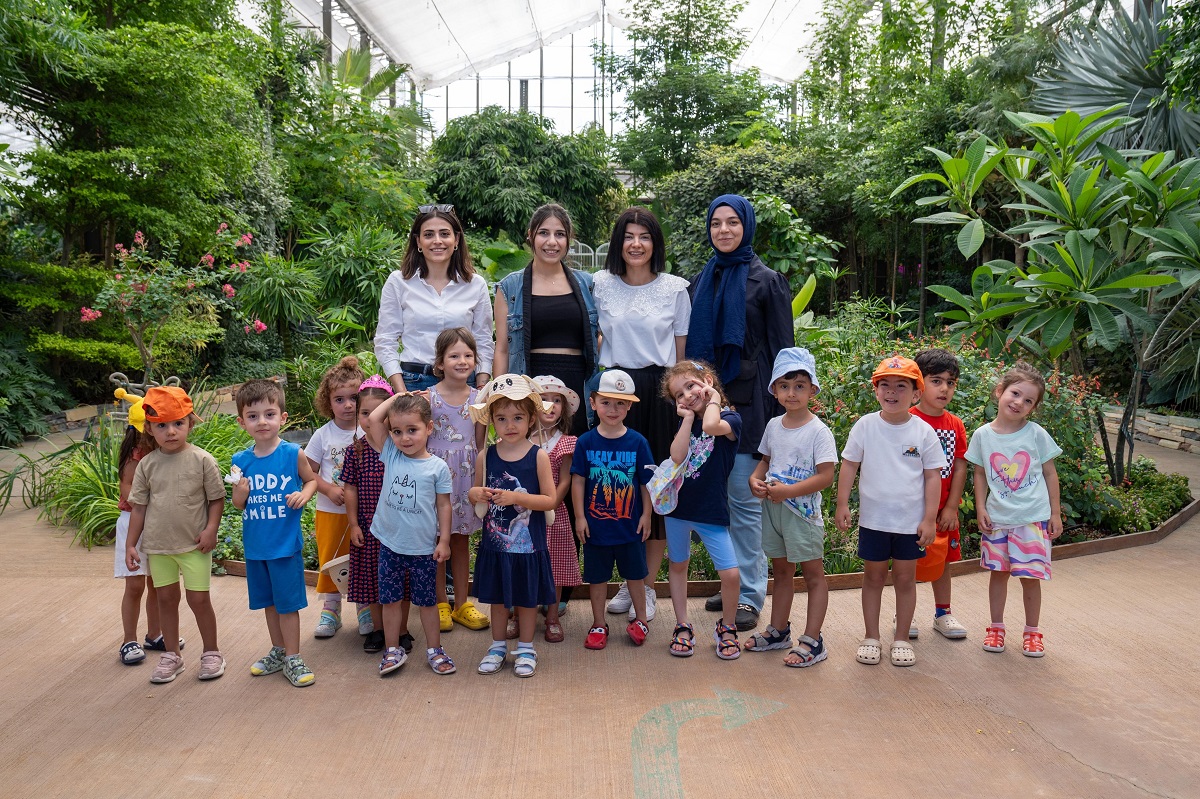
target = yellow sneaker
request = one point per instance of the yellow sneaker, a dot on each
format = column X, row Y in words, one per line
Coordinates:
column 445, row 622
column 470, row 618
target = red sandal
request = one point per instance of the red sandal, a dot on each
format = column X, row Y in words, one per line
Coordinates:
column 597, row 638
column 993, row 639
column 1031, row 645
column 637, row 632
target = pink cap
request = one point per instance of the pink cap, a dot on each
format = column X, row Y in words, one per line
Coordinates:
column 376, row 381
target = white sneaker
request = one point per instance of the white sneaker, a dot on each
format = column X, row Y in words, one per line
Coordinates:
column 913, row 632
column 651, row 605
column 949, row 627
column 622, row 601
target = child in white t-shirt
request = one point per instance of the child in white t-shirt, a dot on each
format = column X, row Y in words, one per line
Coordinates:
column 799, row 455
column 898, row 495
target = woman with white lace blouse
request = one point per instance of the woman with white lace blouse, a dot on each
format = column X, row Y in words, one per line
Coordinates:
column 643, row 318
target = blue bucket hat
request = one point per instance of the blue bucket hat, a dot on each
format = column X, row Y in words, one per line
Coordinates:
column 794, row 359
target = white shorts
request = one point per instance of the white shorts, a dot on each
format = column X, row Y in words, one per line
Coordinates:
column 119, row 569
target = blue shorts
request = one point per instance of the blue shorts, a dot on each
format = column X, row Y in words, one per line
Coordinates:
column 598, row 561
column 879, row 546
column 277, row 583
column 714, row 537
column 410, row 577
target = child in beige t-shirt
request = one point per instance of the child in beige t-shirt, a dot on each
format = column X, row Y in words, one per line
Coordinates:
column 177, row 498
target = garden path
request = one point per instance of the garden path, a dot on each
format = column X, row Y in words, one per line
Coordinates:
column 1109, row 712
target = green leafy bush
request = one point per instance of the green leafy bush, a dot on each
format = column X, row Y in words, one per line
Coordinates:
column 1147, row 499
column 26, row 396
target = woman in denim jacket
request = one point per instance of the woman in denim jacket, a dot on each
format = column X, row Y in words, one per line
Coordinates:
column 545, row 314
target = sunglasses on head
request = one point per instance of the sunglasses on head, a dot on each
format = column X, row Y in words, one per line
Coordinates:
column 441, row 209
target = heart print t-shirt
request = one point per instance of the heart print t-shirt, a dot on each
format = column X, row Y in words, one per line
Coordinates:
column 1013, row 464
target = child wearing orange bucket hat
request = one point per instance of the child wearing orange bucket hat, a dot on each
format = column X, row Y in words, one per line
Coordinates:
column 899, row 485
column 177, row 497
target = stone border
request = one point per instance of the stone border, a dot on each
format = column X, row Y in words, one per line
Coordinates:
column 1171, row 432
column 841, row 582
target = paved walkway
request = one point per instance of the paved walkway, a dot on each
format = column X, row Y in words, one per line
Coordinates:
column 1111, row 711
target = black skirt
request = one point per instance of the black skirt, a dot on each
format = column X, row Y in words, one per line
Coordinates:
column 570, row 369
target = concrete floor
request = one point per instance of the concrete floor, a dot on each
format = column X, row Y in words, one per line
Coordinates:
column 1113, row 709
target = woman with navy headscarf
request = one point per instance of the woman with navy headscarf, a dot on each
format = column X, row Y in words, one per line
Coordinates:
column 741, row 318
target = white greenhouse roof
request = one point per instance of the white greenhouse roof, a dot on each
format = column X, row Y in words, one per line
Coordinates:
column 445, row 40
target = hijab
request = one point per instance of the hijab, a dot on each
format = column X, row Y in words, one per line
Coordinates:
column 719, row 302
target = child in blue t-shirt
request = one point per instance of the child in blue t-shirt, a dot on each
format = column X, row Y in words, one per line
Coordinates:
column 612, row 504
column 705, row 446
column 276, row 482
column 412, row 523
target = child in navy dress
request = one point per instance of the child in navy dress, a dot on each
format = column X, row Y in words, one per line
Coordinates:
column 513, row 477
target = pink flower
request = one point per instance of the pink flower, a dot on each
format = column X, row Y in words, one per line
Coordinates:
column 207, row 259
column 87, row 314
column 221, row 228
column 245, row 240
column 228, row 289
column 118, row 275
column 247, row 328
column 191, row 284
column 139, row 239
column 243, row 266
column 259, row 327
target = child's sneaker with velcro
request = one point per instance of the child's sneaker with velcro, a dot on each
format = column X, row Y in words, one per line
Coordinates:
column 268, row 663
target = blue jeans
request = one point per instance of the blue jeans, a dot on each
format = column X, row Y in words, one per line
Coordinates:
column 745, row 529
column 416, row 382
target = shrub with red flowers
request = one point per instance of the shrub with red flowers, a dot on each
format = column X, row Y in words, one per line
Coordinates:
column 155, row 295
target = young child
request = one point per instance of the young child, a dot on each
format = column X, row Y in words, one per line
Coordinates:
column 134, row 446
column 799, row 457
column 612, row 504
column 177, row 497
column 326, row 453
column 276, row 483
column 362, row 482
column 553, row 435
column 512, row 564
column 412, row 522
column 1016, row 502
column 939, row 368
column 707, row 442
column 901, row 462
column 457, row 440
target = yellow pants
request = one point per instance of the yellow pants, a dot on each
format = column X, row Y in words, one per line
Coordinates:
column 333, row 540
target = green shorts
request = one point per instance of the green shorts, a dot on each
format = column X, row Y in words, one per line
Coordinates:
column 195, row 566
column 787, row 535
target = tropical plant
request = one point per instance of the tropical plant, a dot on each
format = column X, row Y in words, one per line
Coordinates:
column 786, row 242
column 1112, row 246
column 281, row 293
column 27, row 395
column 498, row 167
column 680, row 86
column 353, row 264
column 1112, row 67
column 1180, row 53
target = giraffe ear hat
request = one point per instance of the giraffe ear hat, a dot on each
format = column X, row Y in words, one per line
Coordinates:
column 509, row 386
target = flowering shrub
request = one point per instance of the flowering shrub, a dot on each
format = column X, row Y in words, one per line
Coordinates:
column 152, row 294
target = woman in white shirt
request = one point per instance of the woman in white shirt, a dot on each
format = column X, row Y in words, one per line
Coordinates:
column 643, row 315
column 436, row 288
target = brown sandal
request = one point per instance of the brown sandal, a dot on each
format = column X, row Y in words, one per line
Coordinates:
column 554, row 632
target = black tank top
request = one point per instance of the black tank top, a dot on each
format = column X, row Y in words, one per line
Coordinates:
column 555, row 322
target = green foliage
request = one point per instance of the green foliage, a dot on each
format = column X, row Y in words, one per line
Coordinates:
column 308, row 369
column 26, row 396
column 1147, row 499
column 500, row 257
column 1114, row 65
column 354, row 263
column 680, row 88
column 110, row 354
column 1180, row 55
column 158, row 128
column 783, row 240
column 498, row 167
